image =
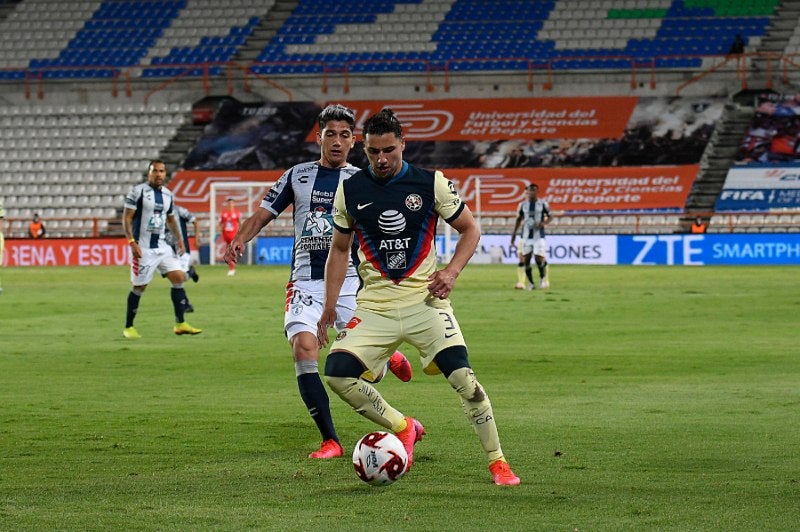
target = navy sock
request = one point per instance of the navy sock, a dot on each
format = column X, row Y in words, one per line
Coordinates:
column 178, row 302
column 316, row 399
column 529, row 273
column 133, row 306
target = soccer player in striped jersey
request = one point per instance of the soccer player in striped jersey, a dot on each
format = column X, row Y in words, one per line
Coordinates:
column 392, row 209
column 532, row 215
column 149, row 209
column 185, row 217
column 309, row 188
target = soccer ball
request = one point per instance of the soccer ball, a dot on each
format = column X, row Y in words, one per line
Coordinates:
column 380, row 458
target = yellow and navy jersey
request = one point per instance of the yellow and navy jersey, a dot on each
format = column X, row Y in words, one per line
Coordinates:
column 394, row 221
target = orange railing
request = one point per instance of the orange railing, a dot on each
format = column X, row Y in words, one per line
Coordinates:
column 739, row 67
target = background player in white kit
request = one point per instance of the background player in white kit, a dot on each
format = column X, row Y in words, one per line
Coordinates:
column 149, row 208
column 310, row 188
column 533, row 215
column 185, row 217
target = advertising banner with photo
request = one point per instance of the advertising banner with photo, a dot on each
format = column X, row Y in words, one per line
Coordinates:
column 473, row 133
column 578, row 189
column 760, row 189
column 661, row 188
column 503, row 118
column 773, row 137
column 192, row 188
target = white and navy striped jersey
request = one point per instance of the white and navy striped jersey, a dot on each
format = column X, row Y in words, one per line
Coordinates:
column 311, row 188
column 532, row 213
column 184, row 217
column 152, row 208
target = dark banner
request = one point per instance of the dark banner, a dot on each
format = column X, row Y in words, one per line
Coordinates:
column 475, row 133
column 773, row 138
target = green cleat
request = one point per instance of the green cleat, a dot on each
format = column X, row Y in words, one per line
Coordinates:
column 185, row 328
column 130, row 332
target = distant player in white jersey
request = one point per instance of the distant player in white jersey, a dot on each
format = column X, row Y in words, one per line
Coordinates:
column 185, row 218
column 310, row 188
column 532, row 215
column 149, row 209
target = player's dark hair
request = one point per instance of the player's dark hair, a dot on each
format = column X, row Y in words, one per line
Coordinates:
column 337, row 112
column 533, row 186
column 154, row 161
column 383, row 122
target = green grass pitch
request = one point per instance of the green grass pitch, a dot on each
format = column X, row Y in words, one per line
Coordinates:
column 649, row 398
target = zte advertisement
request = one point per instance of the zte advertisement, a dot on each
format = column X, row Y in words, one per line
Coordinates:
column 709, row 249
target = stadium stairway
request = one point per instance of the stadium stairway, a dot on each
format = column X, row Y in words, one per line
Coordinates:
column 186, row 136
column 776, row 40
column 267, row 29
column 717, row 159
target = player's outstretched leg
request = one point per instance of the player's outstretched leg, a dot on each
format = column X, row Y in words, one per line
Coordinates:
column 313, row 393
column 478, row 410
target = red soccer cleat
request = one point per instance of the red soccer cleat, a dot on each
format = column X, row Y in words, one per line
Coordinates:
column 502, row 474
column 328, row 449
column 409, row 436
column 400, row 366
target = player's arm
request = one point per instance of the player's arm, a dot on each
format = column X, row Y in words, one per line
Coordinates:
column 174, row 226
column 335, row 272
column 442, row 281
column 127, row 228
column 546, row 217
column 247, row 230
column 196, row 229
column 515, row 232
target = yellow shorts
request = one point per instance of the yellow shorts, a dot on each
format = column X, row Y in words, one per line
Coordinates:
column 373, row 337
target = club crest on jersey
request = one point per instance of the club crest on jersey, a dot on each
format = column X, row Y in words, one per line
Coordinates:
column 392, row 222
column 413, row 202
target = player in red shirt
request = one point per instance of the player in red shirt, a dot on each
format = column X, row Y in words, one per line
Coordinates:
column 228, row 226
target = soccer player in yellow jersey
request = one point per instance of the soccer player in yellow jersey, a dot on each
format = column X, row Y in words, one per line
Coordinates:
column 391, row 209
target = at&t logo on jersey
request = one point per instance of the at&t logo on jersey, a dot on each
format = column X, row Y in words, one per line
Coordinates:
column 392, row 222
